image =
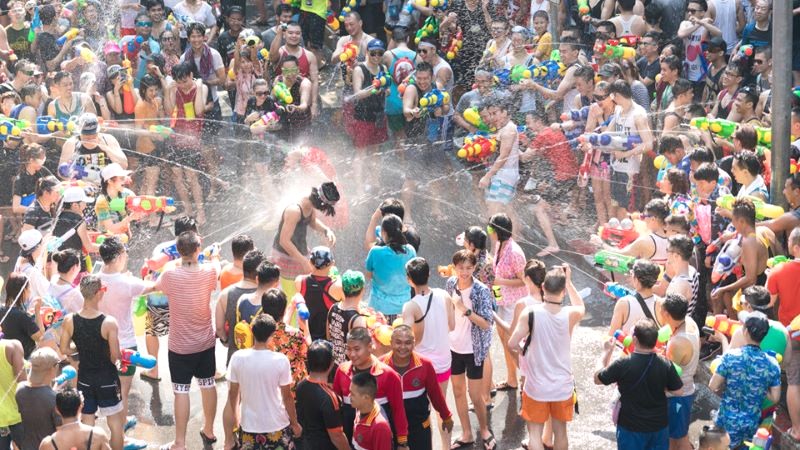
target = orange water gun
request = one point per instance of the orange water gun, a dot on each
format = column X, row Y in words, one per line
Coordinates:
column 128, row 102
column 349, row 54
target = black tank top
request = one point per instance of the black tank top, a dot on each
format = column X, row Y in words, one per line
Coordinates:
column 339, row 321
column 315, row 290
column 371, row 108
column 94, row 353
column 234, row 294
column 299, row 235
column 417, row 127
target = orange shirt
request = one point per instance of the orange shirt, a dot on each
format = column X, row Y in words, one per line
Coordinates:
column 784, row 281
column 228, row 276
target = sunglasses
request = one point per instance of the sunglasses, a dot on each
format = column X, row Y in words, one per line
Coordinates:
column 261, row 94
column 423, row 51
column 167, row 38
column 692, row 10
column 28, row 72
column 295, row 70
column 376, row 53
column 600, row 98
column 144, row 24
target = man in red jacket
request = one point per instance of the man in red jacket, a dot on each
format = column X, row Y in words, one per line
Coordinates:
column 390, row 389
column 420, row 389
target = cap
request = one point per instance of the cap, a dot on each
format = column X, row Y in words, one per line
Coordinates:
column 757, row 325
column 111, row 47
column 113, row 70
column 89, row 123
column 376, row 44
column 76, row 194
column 42, row 360
column 609, row 70
column 114, row 170
column 352, row 282
column 716, row 43
column 28, row 241
column 320, row 256
column 235, row 9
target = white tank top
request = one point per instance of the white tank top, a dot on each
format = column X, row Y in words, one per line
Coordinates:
column 660, row 254
column 435, row 344
column 626, row 125
column 450, row 83
column 694, row 54
column 626, row 25
column 548, row 364
column 635, row 313
column 725, row 20
column 692, row 333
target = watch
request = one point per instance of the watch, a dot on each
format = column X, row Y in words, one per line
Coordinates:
column 467, row 313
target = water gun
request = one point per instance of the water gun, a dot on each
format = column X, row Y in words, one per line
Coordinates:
column 794, row 328
column 631, row 40
column 63, row 185
column 664, row 335
column 618, row 234
column 576, row 115
column 625, row 340
column 727, row 260
column 584, row 169
column 721, row 127
column 455, row 46
column 497, row 294
column 130, row 357
column 502, row 76
column 36, row 24
column 67, row 373
column 776, row 261
column 477, row 147
column 167, row 254
column 140, row 306
column 613, row 49
column 98, row 238
column 614, row 262
column 332, row 20
column 281, row 93
column 763, row 210
column 429, row 28
column 209, row 253
column 7, row 129
column 142, row 203
column 608, row 142
column 71, row 34
column 134, row 45
column 49, row 124
column 263, row 55
column 435, row 4
column 55, row 243
column 473, row 117
column 347, row 9
column 128, row 103
column 349, row 54
column 301, row 307
column 267, row 120
column 617, row 291
column 663, row 165
column 583, row 7
column 165, row 132
column 74, row 171
column 764, row 136
column 381, row 81
column 794, row 166
column 434, row 99
column 51, row 316
column 409, row 81
column 19, row 123
column 446, row 271
column 548, row 70
column 723, row 324
column 745, row 51
column 762, row 440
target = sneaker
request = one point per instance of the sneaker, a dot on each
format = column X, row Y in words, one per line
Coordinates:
column 710, row 350
column 135, row 444
column 130, row 422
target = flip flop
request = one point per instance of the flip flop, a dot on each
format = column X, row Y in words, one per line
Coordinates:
column 505, row 387
column 459, row 444
column 207, row 441
column 147, row 377
column 129, row 423
column 490, row 443
column 135, row 444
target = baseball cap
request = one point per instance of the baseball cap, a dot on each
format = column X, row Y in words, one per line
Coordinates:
column 609, row 70
column 76, row 194
column 716, row 43
column 376, row 44
column 114, row 170
column 320, row 256
column 235, row 9
column 111, row 47
column 42, row 360
column 89, row 123
column 28, row 241
column 352, row 282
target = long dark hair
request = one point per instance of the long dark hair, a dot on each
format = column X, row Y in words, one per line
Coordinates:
column 15, row 285
column 325, row 197
column 45, row 184
column 476, row 236
column 66, row 259
column 393, row 227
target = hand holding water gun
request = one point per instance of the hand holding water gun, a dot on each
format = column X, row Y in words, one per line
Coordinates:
column 434, row 99
column 723, row 324
column 614, row 262
column 266, row 120
column 726, row 261
column 618, row 234
column 617, row 291
column 128, row 103
column 56, row 242
column 349, row 54
column 721, row 127
column 473, row 117
column 300, row 305
column 332, row 20
column 263, row 54
column 429, row 28
column 455, row 46
column 763, row 210
column 794, row 328
column 408, row 81
column 71, row 34
column 381, row 82
column 142, row 204
column 166, row 255
column 7, row 128
column 67, row 373
column 610, row 142
column 209, row 253
column 576, row 115
column 624, row 340
column 776, row 261
column 477, row 147
column 48, row 124
column 547, row 70
column 762, row 440
column 282, row 93
column 130, row 357
column 161, row 130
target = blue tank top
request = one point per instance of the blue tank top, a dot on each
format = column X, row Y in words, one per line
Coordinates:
column 394, row 103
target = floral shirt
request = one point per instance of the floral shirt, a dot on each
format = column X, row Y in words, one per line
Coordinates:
column 749, row 372
column 292, row 343
column 484, row 269
column 482, row 302
column 509, row 262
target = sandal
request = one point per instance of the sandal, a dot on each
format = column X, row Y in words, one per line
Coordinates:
column 459, row 444
column 504, row 386
column 490, row 443
column 207, row 441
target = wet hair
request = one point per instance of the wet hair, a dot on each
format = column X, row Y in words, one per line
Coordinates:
column 267, row 273
column 359, row 334
column 187, row 243
column 669, row 144
column 701, row 3
column 586, row 73
column 757, row 326
column 30, row 152
column 45, row 185
column 765, row 50
column 182, row 70
column 15, row 285
column 646, row 272
column 61, row 75
column 627, row 5
column 701, row 155
column 502, row 226
column 606, row 25
column 555, row 281
column 476, row 236
column 393, row 206
column 47, row 14
column 673, row 62
column 263, row 327
column 366, row 383
column 572, row 42
column 184, row 224
column 29, row 90
column 66, row 259
column 758, row 297
column 652, row 16
column 195, row 27
column 330, row 192
column 681, row 86
column 747, row 136
column 282, row 8
column 418, row 270
column 750, row 95
column 748, row 161
column 646, row 332
column 676, row 306
column 621, row 87
column 658, row 209
column 541, row 15
column 682, row 245
column 424, row 67
column 536, row 271
column 464, row 256
column 393, row 227
column 273, row 302
column 68, row 400
column 319, row 356
column 707, row 172
column 250, row 262
column 289, row 58
column 400, row 34
column 679, row 221
column 148, row 81
column 744, row 209
column 111, row 248
column 679, row 181
column 90, row 286
column 240, row 245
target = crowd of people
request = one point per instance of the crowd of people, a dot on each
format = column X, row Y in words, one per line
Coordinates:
column 647, row 121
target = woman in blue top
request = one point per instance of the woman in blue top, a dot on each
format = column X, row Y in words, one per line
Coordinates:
column 386, row 268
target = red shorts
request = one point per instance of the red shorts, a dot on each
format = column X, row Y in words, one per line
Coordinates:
column 369, row 133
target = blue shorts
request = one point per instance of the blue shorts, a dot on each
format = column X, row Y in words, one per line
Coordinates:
column 619, row 189
column 631, row 440
column 499, row 191
column 680, row 412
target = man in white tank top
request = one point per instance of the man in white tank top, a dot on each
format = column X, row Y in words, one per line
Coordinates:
column 627, row 22
column 628, row 309
column 683, row 349
column 549, row 385
column 501, row 180
column 427, row 314
column 682, row 277
column 651, row 246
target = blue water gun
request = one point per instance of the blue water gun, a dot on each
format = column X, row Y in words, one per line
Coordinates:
column 547, row 70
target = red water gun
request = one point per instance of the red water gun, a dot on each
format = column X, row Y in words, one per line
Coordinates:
column 624, row 340
column 130, row 357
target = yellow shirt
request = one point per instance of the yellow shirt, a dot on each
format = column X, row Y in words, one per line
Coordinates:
column 9, row 413
column 544, row 45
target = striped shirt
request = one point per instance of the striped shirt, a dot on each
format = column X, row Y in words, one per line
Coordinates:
column 191, row 328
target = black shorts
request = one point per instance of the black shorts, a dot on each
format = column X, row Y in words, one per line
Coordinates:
column 465, row 363
column 212, row 123
column 200, row 365
column 101, row 391
column 420, row 436
column 313, row 27
column 155, row 158
column 189, row 157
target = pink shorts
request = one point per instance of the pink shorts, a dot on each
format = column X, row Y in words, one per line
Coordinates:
column 442, row 377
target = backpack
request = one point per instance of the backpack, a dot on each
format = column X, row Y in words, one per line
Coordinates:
column 401, row 68
column 242, row 333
